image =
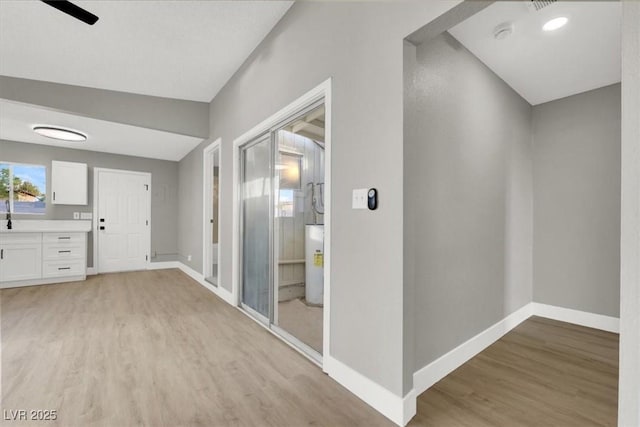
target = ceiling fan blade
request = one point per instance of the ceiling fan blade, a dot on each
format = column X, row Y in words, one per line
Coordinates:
column 73, row 10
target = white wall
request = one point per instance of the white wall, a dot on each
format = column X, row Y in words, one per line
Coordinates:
column 629, row 386
column 467, row 197
column 576, row 163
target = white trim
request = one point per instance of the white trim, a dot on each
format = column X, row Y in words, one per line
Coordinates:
column 577, row 317
column 325, row 88
column 163, row 265
column 96, row 172
column 321, row 91
column 447, row 363
column 409, row 406
column 91, row 271
column 94, row 224
column 207, row 178
column 382, row 400
column 235, row 239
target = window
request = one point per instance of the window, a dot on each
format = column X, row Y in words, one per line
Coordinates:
column 22, row 188
column 289, row 168
column 286, row 204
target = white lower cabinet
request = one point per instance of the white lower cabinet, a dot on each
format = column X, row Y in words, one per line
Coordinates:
column 39, row 258
column 21, row 257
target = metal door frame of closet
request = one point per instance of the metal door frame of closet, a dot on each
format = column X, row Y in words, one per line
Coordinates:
column 266, row 320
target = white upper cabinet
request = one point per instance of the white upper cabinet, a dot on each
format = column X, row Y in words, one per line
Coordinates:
column 68, row 183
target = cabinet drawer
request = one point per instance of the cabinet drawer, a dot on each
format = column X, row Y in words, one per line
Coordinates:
column 52, row 251
column 63, row 237
column 63, row 268
column 13, row 238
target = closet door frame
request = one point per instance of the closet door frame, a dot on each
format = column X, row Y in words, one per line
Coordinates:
column 265, row 320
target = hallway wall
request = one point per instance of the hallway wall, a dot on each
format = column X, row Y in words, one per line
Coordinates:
column 576, row 176
column 467, row 197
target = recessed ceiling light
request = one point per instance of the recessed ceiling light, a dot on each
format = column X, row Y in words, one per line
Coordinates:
column 57, row 132
column 555, row 23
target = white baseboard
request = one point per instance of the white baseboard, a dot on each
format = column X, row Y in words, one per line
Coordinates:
column 91, row 271
column 577, row 317
column 409, row 406
column 382, row 400
column 163, row 265
column 447, row 363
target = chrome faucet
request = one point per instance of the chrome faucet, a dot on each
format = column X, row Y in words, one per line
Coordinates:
column 8, row 205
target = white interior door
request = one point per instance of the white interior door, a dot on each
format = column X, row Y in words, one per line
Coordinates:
column 123, row 220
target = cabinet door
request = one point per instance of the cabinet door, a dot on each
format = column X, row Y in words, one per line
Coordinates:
column 20, row 262
column 68, row 183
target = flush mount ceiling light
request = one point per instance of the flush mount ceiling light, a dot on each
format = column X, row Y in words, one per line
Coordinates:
column 57, row 132
column 555, row 23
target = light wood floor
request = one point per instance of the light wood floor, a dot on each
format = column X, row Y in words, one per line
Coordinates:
column 542, row 373
column 155, row 348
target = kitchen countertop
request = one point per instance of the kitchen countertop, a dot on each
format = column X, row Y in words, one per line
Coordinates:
column 45, row 226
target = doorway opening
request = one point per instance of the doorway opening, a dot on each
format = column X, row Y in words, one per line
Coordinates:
column 211, row 203
column 283, row 226
column 299, row 229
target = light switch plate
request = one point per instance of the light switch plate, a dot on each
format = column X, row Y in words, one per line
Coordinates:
column 86, row 215
column 76, row 215
column 359, row 200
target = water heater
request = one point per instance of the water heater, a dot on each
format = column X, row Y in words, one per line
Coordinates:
column 314, row 264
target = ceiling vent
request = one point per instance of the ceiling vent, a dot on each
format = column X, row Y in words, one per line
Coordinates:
column 540, row 4
column 503, row 31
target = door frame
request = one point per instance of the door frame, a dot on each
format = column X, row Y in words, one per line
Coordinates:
column 322, row 91
column 96, row 201
column 207, row 178
column 261, row 318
